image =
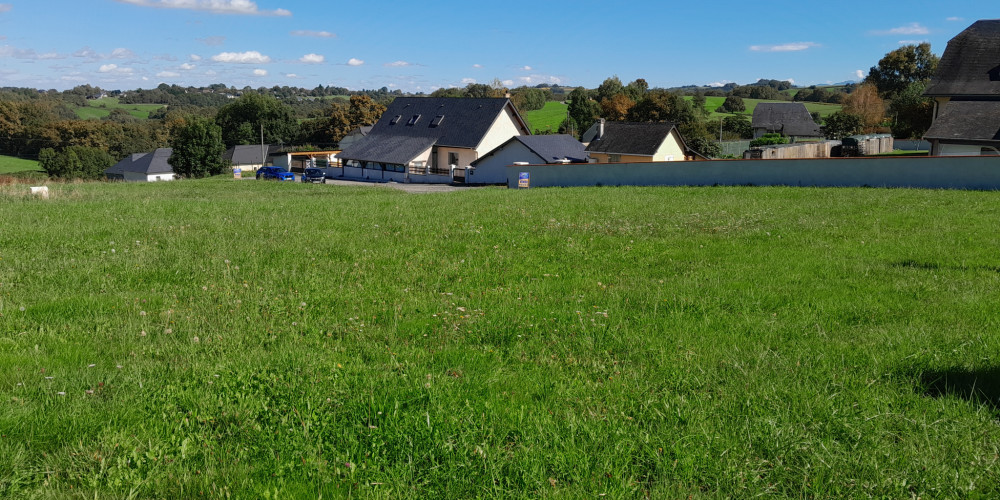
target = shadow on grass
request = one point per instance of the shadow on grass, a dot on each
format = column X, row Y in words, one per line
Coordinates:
column 980, row 386
column 932, row 266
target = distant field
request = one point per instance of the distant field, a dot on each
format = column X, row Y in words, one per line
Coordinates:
column 9, row 165
column 202, row 339
column 712, row 103
column 549, row 117
column 101, row 108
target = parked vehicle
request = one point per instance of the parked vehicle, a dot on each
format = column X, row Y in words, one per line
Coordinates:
column 314, row 175
column 276, row 173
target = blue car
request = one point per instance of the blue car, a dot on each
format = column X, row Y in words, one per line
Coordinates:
column 276, row 173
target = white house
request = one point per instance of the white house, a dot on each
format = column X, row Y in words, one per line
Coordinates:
column 143, row 167
column 532, row 149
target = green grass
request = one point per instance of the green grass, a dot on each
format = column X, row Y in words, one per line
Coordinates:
column 549, row 117
column 204, row 338
column 10, row 164
column 101, row 108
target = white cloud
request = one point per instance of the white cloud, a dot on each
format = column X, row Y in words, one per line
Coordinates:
column 251, row 57
column 27, row 54
column 536, row 79
column 195, row 57
column 397, row 64
column 243, row 7
column 312, row 59
column 355, row 62
column 291, row 75
column 911, row 42
column 955, row 19
column 167, row 74
column 121, row 53
column 785, row 47
column 87, row 53
column 260, row 72
column 526, row 68
column 718, row 84
column 909, row 29
column 188, row 66
column 508, row 82
column 860, row 74
column 5, row 7
column 313, row 34
column 210, row 72
column 477, row 66
column 466, row 81
column 113, row 68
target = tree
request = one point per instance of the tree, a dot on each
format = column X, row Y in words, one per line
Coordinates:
column 912, row 112
column 582, row 109
column 617, row 107
column 698, row 137
column 241, row 120
column 637, row 89
column 197, row 149
column 75, row 162
column 738, row 126
column 609, row 88
column 363, row 110
column 662, row 106
column 732, row 104
column 901, row 67
column 698, row 102
column 840, row 125
column 867, row 105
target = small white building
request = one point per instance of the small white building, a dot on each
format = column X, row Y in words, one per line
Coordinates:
column 143, row 167
column 491, row 168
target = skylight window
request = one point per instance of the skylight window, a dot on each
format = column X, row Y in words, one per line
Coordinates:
column 413, row 120
column 396, row 120
column 437, row 120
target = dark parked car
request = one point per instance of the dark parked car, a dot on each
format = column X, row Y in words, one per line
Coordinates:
column 276, row 173
column 314, row 175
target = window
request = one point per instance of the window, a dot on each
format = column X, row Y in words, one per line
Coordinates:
column 396, row 120
column 453, row 159
column 437, row 120
column 413, row 121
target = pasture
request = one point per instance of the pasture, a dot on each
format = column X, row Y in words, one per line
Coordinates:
column 101, row 108
column 10, row 165
column 547, row 118
column 713, row 103
column 221, row 338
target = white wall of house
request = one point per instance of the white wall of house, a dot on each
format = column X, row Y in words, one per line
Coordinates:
column 959, row 150
column 671, row 148
column 492, row 169
column 504, row 127
column 142, row 177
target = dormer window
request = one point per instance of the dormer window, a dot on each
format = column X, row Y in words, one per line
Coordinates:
column 437, row 120
column 413, row 120
column 396, row 120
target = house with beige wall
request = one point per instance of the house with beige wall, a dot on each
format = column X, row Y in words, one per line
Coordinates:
column 633, row 142
column 425, row 139
column 966, row 92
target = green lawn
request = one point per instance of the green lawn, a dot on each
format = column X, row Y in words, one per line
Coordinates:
column 100, row 108
column 9, row 165
column 208, row 338
column 549, row 117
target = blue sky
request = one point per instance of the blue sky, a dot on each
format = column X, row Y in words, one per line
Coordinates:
column 421, row 46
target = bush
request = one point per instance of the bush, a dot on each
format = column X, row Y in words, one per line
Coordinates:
column 769, row 140
column 75, row 162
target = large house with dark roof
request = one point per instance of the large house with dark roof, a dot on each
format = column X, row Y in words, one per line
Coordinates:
column 143, row 167
column 250, row 156
column 966, row 91
column 634, row 142
column 531, row 149
column 421, row 139
column 790, row 119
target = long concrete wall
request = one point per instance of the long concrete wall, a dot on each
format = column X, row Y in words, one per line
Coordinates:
column 972, row 172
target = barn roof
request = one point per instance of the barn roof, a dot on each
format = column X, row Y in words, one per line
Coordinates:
column 247, row 154
column 144, row 163
column 789, row 118
column 410, row 125
column 967, row 120
column 970, row 65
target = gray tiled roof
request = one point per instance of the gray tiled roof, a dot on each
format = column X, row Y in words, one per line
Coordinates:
column 144, row 163
column 789, row 118
column 247, row 154
column 464, row 124
column 550, row 148
column 970, row 65
column 967, row 120
column 632, row 138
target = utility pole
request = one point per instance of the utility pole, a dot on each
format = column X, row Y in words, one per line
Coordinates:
column 263, row 159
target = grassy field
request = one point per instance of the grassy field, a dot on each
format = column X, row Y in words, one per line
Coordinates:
column 100, row 108
column 205, row 339
column 10, row 164
column 713, row 103
column 549, row 117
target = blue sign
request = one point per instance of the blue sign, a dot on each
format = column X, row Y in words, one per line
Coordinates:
column 523, row 180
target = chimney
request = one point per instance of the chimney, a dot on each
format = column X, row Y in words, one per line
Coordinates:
column 600, row 129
